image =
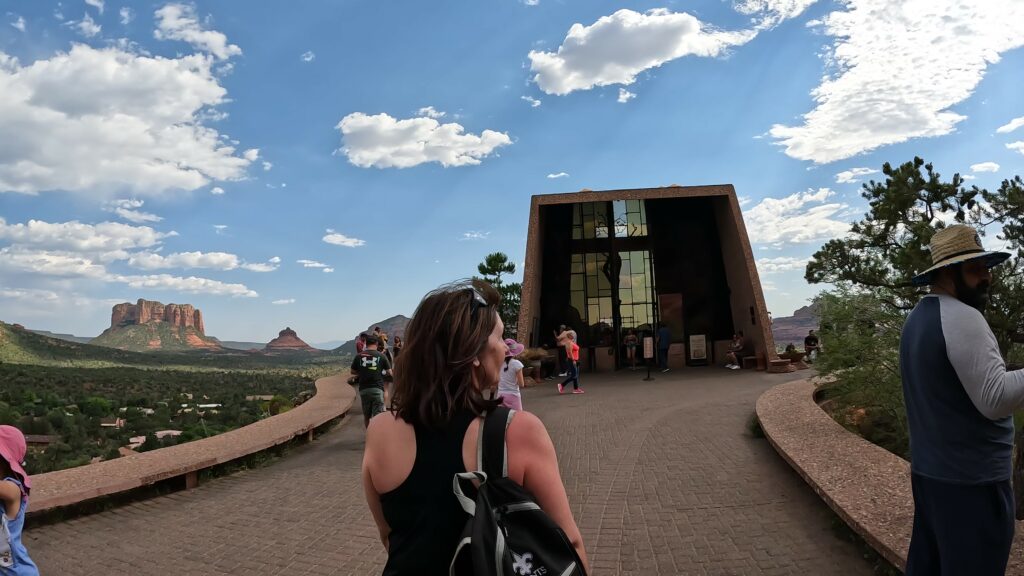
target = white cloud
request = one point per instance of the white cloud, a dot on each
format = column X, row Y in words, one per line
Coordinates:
column 210, row 260
column 780, row 264
column 744, row 200
column 77, row 112
column 129, row 210
column 97, row 4
column 429, row 112
column 1011, row 125
column 308, row 56
column 475, row 235
column 798, row 218
column 558, row 175
column 337, row 239
column 275, row 260
column 616, row 48
column 284, row 301
column 50, row 263
column 769, row 13
column 220, row 228
column 213, row 260
column 311, row 264
column 531, row 2
column 877, row 94
column 968, row 177
column 191, row 285
column 179, row 22
column 252, row 154
column 1018, row 146
column 87, row 26
column 625, row 95
column 127, row 15
column 985, row 167
column 385, row 142
column 328, row 270
column 853, row 175
column 19, row 23
column 533, row 101
column 216, row 190
column 267, row 166
column 78, row 237
column 30, row 295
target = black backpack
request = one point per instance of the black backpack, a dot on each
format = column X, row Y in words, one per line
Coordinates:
column 508, row 534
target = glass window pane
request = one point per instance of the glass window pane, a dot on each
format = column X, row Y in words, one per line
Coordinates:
column 592, row 285
column 576, row 282
column 625, row 296
column 606, row 309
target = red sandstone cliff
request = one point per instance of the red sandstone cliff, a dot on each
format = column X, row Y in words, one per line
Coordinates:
column 180, row 315
column 288, row 341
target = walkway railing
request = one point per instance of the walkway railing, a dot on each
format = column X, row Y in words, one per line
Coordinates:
column 866, row 485
column 333, row 398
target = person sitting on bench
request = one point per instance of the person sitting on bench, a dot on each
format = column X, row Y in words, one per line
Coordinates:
column 739, row 348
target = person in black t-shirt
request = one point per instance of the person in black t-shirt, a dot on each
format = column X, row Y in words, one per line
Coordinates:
column 811, row 345
column 371, row 367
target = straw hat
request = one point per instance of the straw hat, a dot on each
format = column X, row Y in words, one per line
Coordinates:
column 955, row 244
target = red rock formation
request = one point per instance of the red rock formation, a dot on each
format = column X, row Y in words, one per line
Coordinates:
column 288, row 341
column 181, row 315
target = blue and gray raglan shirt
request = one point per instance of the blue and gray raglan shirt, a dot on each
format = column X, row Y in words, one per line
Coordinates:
column 960, row 398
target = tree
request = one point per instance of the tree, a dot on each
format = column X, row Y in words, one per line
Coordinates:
column 494, row 265
column 492, row 268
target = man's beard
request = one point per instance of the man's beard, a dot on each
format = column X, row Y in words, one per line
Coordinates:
column 976, row 297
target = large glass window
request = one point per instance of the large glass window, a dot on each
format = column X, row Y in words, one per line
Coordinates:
column 591, row 220
column 591, row 292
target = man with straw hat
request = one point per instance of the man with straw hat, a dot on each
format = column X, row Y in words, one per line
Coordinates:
column 960, row 403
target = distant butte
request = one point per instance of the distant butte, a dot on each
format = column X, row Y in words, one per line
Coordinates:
column 288, row 341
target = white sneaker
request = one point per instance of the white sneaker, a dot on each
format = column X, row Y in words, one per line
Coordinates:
column 735, row 367
column 729, row 366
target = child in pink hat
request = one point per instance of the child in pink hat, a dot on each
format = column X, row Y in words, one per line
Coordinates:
column 511, row 376
column 14, row 490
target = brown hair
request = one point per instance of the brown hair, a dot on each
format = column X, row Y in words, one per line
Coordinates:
column 433, row 376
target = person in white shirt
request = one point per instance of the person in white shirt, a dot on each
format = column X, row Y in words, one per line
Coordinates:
column 511, row 379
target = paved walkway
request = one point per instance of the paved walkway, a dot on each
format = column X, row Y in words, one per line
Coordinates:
column 662, row 477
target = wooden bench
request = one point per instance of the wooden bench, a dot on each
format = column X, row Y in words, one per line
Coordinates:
column 751, row 361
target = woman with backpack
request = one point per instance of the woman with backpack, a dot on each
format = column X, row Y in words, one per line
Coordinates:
column 14, row 490
column 453, row 352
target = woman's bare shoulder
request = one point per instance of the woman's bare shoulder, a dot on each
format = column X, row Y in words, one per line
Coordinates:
column 526, row 428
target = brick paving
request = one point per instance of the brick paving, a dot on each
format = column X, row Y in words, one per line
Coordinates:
column 662, row 478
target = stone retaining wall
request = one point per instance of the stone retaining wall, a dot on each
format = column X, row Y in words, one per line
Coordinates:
column 866, row 485
column 333, row 398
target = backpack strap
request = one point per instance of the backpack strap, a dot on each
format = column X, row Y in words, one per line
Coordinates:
column 491, row 450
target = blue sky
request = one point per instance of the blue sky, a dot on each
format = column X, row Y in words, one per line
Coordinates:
column 321, row 165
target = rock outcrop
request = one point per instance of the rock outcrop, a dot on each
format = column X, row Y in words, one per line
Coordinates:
column 181, row 315
column 288, row 341
column 152, row 326
column 792, row 329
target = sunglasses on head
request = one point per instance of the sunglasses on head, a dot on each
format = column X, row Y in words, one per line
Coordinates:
column 477, row 302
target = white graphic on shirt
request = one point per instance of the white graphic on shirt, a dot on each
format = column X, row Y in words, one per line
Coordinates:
column 523, row 565
column 369, row 362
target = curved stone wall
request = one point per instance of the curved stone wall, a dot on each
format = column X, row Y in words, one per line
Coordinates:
column 866, row 485
column 333, row 398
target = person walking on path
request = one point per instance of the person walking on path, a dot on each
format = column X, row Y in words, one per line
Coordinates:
column 574, row 371
column 453, row 352
column 811, row 345
column 511, row 379
column 396, row 346
column 14, row 492
column 371, row 367
column 565, row 338
column 960, row 402
column 664, row 342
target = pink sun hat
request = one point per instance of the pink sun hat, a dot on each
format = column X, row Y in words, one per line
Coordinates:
column 514, row 348
column 12, row 449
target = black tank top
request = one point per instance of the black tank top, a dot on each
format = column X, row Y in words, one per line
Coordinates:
column 426, row 519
